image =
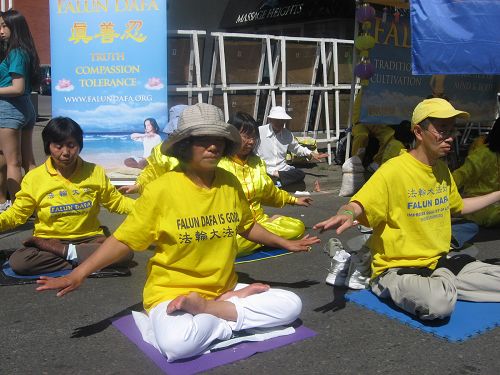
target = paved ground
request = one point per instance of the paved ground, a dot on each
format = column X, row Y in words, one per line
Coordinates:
column 42, row 334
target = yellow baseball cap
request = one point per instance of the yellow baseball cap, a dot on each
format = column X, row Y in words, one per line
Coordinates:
column 437, row 108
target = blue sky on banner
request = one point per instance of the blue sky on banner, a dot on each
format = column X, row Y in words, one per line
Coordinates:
column 455, row 36
column 109, row 68
column 393, row 91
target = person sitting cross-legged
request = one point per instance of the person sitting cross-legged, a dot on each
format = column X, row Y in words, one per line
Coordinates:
column 275, row 141
column 193, row 213
column 480, row 174
column 66, row 193
column 408, row 202
column 259, row 188
column 250, row 170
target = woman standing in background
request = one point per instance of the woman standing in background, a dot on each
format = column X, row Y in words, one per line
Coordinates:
column 19, row 73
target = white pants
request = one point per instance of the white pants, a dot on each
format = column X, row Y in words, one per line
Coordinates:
column 182, row 335
column 435, row 296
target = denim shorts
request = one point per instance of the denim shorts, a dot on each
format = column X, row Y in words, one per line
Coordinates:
column 17, row 113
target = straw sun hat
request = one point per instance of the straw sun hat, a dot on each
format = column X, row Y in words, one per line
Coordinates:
column 203, row 120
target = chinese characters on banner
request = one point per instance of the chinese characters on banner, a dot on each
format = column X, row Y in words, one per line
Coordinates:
column 109, row 74
column 393, row 92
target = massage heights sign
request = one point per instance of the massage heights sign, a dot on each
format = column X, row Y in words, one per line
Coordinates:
column 251, row 13
column 269, row 13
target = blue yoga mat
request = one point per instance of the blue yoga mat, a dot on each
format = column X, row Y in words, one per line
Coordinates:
column 9, row 272
column 262, row 254
column 468, row 319
column 9, row 277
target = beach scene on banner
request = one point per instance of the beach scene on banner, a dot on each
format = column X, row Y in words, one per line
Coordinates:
column 109, row 72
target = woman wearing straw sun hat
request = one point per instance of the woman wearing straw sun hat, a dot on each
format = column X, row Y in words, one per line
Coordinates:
column 191, row 291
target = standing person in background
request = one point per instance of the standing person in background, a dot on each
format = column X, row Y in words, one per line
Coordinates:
column 4, row 199
column 19, row 73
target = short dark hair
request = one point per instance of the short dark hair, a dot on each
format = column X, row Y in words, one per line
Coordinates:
column 153, row 123
column 246, row 124
column 59, row 129
column 183, row 150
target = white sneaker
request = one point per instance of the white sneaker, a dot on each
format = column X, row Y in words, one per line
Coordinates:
column 359, row 270
column 365, row 230
column 339, row 267
column 4, row 206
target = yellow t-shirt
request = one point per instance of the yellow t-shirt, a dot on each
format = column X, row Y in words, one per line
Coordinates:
column 480, row 173
column 258, row 187
column 393, row 149
column 194, row 230
column 158, row 164
column 408, row 205
column 66, row 208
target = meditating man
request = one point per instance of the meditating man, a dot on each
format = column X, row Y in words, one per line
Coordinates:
column 275, row 141
column 408, row 203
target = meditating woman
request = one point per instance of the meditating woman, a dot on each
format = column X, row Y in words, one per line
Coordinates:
column 259, row 188
column 251, row 172
column 66, row 193
column 192, row 214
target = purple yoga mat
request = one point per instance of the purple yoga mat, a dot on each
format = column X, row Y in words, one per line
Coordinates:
column 126, row 325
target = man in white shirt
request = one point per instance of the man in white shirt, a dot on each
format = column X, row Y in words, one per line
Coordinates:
column 275, row 142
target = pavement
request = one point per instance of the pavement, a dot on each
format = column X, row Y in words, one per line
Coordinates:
column 43, row 334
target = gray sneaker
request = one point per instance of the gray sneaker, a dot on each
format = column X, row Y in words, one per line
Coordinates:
column 359, row 269
column 333, row 246
column 339, row 266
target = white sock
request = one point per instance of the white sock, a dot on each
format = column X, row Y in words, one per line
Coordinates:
column 71, row 252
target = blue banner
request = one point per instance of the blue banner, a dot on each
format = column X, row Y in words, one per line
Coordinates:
column 455, row 37
column 393, row 91
column 109, row 74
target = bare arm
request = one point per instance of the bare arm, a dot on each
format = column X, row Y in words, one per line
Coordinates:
column 129, row 189
column 260, row 235
column 318, row 156
column 474, row 204
column 303, row 201
column 109, row 252
column 16, row 89
column 137, row 136
column 344, row 218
